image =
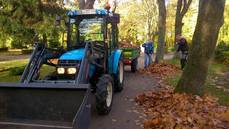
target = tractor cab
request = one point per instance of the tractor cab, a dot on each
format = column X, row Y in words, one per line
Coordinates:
column 92, row 26
column 98, row 29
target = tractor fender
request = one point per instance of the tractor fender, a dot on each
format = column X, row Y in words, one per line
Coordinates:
column 114, row 60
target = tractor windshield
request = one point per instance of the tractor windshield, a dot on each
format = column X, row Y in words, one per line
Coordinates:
column 91, row 29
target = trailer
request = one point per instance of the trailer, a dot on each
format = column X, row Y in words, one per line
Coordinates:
column 131, row 55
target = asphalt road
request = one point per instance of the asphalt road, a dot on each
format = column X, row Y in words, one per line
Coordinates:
column 124, row 113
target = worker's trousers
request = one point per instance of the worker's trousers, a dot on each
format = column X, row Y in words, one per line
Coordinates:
column 148, row 59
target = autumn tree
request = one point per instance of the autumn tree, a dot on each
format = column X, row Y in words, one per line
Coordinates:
column 20, row 20
column 182, row 8
column 161, row 30
column 224, row 34
column 209, row 22
column 138, row 20
column 150, row 13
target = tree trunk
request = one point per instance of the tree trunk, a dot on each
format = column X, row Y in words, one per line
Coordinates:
column 178, row 20
column 88, row 4
column 182, row 8
column 178, row 25
column 178, row 30
column 81, row 4
column 161, row 30
column 210, row 19
column 148, row 29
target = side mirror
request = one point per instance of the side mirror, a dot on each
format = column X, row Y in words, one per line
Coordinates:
column 58, row 21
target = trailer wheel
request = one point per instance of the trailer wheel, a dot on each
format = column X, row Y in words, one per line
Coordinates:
column 104, row 94
column 119, row 77
column 134, row 65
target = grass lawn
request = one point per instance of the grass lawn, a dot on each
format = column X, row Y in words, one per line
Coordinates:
column 5, row 67
column 6, row 77
column 216, row 70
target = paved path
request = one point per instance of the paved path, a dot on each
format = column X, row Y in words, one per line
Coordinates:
column 13, row 57
column 124, row 114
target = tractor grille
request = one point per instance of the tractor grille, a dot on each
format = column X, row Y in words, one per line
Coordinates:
column 68, row 63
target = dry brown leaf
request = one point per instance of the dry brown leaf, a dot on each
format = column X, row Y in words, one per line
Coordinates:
column 225, row 116
column 166, row 109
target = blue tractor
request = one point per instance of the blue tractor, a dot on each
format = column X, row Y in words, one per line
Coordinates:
column 56, row 86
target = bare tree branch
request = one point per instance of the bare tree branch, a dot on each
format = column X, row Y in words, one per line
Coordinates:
column 115, row 6
column 179, row 6
column 185, row 7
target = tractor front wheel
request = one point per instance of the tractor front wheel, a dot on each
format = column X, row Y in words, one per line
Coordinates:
column 104, row 94
column 119, row 77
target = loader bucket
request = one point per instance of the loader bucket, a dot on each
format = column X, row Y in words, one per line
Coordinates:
column 44, row 106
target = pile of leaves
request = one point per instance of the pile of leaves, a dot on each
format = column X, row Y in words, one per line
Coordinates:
column 168, row 110
column 162, row 69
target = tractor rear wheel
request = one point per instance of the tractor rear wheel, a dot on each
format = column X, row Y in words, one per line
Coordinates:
column 119, row 77
column 134, row 65
column 104, row 94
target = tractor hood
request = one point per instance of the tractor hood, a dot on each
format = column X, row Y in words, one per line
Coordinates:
column 73, row 55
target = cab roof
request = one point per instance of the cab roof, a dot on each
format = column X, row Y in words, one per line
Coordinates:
column 94, row 12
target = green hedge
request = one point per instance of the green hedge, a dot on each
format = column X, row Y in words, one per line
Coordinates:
column 222, row 53
column 5, row 49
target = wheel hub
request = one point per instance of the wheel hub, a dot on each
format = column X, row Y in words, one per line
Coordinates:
column 109, row 94
column 121, row 72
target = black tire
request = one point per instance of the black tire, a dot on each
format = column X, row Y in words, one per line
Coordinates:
column 103, row 106
column 134, row 65
column 119, row 78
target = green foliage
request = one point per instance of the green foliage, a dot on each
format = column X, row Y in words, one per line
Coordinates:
column 222, row 46
column 20, row 20
column 224, row 33
column 222, row 53
column 138, row 20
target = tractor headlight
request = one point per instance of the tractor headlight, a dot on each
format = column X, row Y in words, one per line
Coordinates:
column 72, row 70
column 60, row 70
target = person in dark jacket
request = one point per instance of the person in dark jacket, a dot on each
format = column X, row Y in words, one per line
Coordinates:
column 183, row 48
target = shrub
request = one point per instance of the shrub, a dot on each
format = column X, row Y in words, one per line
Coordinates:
column 4, row 49
column 222, row 53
